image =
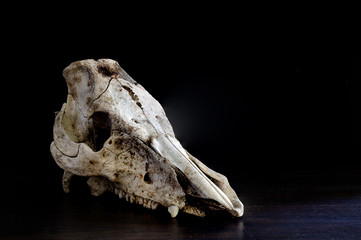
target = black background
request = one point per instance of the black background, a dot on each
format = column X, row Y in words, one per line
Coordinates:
column 225, row 76
column 224, row 79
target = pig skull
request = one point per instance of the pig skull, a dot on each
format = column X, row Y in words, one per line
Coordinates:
column 114, row 132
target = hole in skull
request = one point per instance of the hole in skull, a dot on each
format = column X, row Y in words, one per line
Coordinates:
column 147, row 178
column 106, row 71
column 135, row 120
column 102, row 129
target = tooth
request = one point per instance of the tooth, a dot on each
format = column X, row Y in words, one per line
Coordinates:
column 116, row 191
column 139, row 200
column 154, row 205
column 149, row 204
column 132, row 199
column 173, row 210
column 121, row 194
column 127, row 197
column 145, row 202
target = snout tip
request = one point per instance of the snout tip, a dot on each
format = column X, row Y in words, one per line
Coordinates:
column 237, row 209
column 239, row 212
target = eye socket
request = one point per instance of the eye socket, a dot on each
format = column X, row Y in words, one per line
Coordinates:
column 146, row 178
column 106, row 71
column 102, row 129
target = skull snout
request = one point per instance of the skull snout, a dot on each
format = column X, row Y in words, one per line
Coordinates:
column 179, row 158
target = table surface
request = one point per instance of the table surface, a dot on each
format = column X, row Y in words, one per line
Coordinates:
column 287, row 207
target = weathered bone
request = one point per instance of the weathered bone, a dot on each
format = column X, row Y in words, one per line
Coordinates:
column 114, row 132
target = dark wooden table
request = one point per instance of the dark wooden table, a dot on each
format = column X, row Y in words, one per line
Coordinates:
column 283, row 207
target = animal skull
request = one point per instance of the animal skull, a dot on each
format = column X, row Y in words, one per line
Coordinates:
column 114, row 132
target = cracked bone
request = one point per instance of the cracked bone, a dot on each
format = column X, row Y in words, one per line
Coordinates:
column 114, row 132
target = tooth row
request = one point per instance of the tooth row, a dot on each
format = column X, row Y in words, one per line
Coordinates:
column 147, row 203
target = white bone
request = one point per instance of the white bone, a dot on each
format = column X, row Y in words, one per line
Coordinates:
column 114, row 132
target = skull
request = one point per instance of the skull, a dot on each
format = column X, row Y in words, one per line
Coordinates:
column 114, row 132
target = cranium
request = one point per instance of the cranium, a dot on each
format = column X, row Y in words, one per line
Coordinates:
column 114, row 132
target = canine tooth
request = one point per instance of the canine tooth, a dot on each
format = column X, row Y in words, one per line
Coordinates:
column 149, row 204
column 116, row 191
column 173, row 210
column 127, row 197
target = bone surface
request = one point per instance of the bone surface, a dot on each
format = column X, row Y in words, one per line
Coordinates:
column 112, row 131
